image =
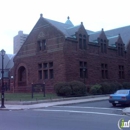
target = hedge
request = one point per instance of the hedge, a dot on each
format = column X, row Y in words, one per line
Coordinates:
column 74, row 88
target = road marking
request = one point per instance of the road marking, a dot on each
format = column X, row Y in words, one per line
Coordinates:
column 87, row 107
column 82, row 112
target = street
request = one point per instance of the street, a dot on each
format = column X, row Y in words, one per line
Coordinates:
column 82, row 116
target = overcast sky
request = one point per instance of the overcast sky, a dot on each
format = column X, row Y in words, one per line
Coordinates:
column 95, row 14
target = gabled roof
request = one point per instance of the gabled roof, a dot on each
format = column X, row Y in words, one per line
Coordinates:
column 123, row 31
column 94, row 36
column 8, row 61
column 113, row 40
column 67, row 29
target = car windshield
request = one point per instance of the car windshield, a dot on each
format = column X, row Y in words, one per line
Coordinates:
column 122, row 92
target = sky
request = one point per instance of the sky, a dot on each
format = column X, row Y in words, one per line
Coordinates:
column 95, row 14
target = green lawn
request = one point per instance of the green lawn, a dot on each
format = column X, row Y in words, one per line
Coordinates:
column 28, row 96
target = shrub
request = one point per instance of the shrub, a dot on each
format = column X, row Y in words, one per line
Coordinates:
column 96, row 89
column 114, row 86
column 74, row 88
column 106, row 88
column 63, row 89
column 78, row 88
column 126, row 85
column 119, row 85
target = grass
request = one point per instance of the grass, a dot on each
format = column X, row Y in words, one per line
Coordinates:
column 28, row 96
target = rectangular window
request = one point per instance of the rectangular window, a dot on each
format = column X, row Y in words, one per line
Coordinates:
column 45, row 74
column 121, row 72
column 45, row 70
column 120, row 49
column 40, row 66
column 102, row 47
column 50, row 64
column 84, row 44
column 80, row 43
column 44, row 44
column 81, row 64
column 105, row 48
column 40, row 74
column 51, row 74
column 104, row 71
column 41, row 45
column 45, row 65
column 81, row 73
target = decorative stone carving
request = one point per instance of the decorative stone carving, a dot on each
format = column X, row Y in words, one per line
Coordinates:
column 41, row 35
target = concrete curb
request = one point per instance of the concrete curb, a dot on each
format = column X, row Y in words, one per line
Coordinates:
column 53, row 103
column 51, row 100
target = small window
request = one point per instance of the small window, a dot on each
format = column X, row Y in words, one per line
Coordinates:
column 84, row 36
column 40, row 74
column 81, row 64
column 45, row 65
column 80, row 35
column 40, row 66
column 45, row 74
column 104, row 71
column 51, row 73
column 84, row 44
column 44, row 44
column 50, row 64
column 39, row 45
column 80, row 43
column 81, row 73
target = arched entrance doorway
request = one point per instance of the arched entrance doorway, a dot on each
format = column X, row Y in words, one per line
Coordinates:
column 21, row 76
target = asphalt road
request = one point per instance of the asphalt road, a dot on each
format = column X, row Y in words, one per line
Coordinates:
column 83, row 116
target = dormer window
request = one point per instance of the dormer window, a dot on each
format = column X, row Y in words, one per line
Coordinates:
column 82, row 42
column 103, row 46
column 120, row 49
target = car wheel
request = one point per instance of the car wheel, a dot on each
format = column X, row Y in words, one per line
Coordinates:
column 114, row 104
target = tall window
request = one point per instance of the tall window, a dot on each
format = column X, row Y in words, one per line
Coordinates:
column 120, row 49
column 103, row 46
column 83, row 69
column 121, row 72
column 41, row 45
column 104, row 71
column 82, row 42
column 45, row 70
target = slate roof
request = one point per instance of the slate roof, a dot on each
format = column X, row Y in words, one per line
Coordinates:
column 113, row 40
column 66, row 28
column 69, row 22
column 94, row 36
column 123, row 31
column 69, row 30
column 8, row 61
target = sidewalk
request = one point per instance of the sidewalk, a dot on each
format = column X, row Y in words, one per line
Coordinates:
column 52, row 102
column 126, row 111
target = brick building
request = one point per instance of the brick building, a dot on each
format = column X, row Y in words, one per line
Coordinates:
column 55, row 51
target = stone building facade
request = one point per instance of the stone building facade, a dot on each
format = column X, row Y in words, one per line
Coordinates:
column 55, row 52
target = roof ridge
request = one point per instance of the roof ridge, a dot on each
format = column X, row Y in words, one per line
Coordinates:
column 54, row 20
column 73, row 27
column 117, row 28
column 110, row 37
